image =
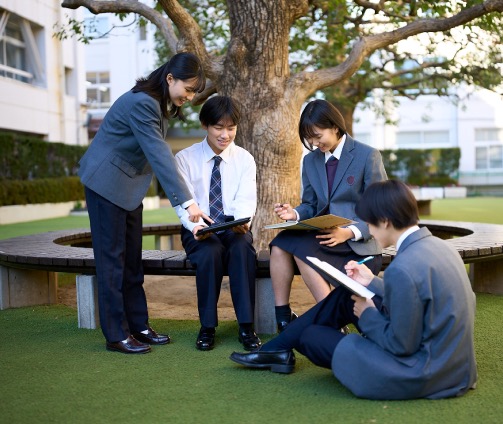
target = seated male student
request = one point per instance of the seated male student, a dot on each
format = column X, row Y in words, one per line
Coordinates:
column 221, row 177
column 418, row 327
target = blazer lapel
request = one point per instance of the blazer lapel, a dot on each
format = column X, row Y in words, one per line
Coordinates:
column 344, row 162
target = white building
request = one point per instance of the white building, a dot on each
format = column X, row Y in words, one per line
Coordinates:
column 42, row 81
column 475, row 125
column 119, row 53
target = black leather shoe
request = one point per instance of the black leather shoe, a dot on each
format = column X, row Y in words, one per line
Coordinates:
column 282, row 362
column 131, row 345
column 249, row 339
column 206, row 339
column 152, row 337
column 282, row 324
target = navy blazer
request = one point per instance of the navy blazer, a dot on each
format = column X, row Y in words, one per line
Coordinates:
column 129, row 146
column 359, row 166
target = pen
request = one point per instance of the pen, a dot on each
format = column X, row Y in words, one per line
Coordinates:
column 368, row 258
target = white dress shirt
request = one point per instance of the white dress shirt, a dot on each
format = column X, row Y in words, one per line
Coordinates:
column 239, row 180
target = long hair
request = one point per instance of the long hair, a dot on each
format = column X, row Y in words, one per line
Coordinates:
column 183, row 66
column 320, row 114
column 388, row 200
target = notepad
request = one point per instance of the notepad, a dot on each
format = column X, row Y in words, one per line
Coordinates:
column 342, row 278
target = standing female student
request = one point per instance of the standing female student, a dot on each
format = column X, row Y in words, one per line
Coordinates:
column 117, row 171
column 334, row 176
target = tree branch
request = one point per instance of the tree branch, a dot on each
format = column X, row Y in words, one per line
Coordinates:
column 309, row 82
column 127, row 6
column 191, row 36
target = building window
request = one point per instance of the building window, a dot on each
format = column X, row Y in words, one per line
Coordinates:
column 489, row 134
column 98, row 89
column 19, row 53
column 422, row 139
column 489, row 149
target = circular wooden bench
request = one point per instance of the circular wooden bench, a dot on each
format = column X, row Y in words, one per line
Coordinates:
column 29, row 265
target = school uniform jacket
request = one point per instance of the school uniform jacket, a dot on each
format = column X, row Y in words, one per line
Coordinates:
column 359, row 166
column 129, row 146
column 421, row 344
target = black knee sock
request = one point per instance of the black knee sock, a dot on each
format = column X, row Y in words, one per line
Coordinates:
column 246, row 326
column 283, row 313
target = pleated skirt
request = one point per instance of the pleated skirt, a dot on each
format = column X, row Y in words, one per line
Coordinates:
column 301, row 244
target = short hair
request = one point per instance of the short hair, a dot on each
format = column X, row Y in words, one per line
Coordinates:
column 320, row 114
column 183, row 66
column 388, row 200
column 217, row 108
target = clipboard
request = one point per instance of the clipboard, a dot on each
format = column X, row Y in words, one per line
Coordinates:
column 342, row 278
column 213, row 228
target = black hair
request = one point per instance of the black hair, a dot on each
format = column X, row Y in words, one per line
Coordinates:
column 320, row 114
column 182, row 66
column 388, row 200
column 217, row 108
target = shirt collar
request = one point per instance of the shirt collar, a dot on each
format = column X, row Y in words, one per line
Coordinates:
column 338, row 150
column 405, row 234
column 208, row 152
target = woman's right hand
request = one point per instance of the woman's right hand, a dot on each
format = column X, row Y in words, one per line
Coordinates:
column 285, row 211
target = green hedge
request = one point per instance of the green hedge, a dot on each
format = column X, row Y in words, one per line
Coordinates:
column 43, row 190
column 26, row 158
column 423, row 167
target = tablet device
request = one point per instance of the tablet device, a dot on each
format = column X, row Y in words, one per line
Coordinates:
column 222, row 226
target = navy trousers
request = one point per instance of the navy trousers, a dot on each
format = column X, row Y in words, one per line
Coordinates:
column 316, row 333
column 213, row 257
column 117, row 241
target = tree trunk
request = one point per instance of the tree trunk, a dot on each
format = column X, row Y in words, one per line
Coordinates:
column 256, row 74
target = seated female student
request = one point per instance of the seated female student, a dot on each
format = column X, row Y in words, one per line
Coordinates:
column 418, row 328
column 334, row 176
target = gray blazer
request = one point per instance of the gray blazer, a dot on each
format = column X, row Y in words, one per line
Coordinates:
column 128, row 146
column 421, row 344
column 359, row 166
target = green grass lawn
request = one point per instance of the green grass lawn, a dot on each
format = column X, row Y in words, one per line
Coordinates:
column 477, row 209
column 53, row 372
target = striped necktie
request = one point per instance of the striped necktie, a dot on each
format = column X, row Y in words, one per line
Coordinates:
column 216, row 205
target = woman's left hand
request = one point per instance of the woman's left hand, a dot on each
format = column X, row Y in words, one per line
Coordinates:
column 335, row 236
